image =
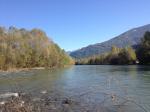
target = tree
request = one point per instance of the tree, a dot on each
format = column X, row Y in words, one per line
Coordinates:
column 143, row 52
column 117, row 56
column 20, row 48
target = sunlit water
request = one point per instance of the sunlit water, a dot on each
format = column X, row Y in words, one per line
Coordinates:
column 96, row 86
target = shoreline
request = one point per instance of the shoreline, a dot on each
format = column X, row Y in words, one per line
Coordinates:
column 32, row 68
column 22, row 69
column 22, row 102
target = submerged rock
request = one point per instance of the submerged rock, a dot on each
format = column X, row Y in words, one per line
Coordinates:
column 2, row 103
column 43, row 92
column 6, row 95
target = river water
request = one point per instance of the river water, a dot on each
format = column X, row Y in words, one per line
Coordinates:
column 117, row 88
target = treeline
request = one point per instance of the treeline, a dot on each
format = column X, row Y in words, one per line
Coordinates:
column 122, row 56
column 116, row 56
column 20, row 48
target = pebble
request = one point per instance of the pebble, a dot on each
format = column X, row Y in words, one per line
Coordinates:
column 44, row 92
column 2, row 103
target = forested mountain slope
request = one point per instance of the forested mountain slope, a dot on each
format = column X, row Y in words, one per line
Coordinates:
column 129, row 38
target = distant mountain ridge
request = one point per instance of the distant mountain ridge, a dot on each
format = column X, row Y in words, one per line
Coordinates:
column 129, row 38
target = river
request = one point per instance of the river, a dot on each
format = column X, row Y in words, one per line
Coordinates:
column 115, row 87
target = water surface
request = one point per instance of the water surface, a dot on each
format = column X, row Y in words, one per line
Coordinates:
column 94, row 85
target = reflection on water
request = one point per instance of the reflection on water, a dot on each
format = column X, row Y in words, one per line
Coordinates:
column 90, row 84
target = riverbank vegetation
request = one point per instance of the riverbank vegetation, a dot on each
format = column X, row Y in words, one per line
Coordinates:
column 117, row 56
column 21, row 48
column 143, row 52
column 122, row 56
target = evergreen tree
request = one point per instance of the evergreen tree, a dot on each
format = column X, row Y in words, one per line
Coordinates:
column 143, row 52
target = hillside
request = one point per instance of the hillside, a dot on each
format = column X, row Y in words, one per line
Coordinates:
column 21, row 48
column 129, row 38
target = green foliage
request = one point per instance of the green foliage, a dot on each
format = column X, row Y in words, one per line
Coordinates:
column 116, row 56
column 143, row 52
column 20, row 48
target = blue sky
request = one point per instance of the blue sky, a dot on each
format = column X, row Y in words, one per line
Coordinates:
column 73, row 24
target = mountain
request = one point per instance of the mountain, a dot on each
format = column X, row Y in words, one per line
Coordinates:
column 129, row 38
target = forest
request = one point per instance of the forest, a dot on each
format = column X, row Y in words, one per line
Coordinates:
column 21, row 48
column 122, row 56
